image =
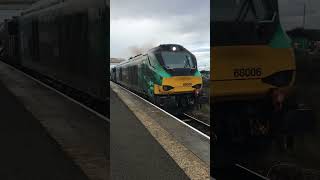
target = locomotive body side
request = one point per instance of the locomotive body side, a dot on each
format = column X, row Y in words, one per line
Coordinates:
column 151, row 76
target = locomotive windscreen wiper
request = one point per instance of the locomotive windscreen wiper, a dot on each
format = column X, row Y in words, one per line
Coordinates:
column 244, row 10
column 270, row 21
column 248, row 5
column 187, row 63
column 169, row 68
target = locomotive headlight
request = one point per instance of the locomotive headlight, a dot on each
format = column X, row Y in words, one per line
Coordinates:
column 197, row 86
column 167, row 88
column 174, row 48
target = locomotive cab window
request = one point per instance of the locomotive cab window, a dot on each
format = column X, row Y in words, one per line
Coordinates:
column 243, row 21
column 243, row 10
column 174, row 60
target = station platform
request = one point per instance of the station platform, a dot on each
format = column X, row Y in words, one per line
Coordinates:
column 45, row 135
column 135, row 154
column 27, row 150
column 144, row 150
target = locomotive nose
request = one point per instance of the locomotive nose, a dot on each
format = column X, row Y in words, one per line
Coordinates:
column 180, row 84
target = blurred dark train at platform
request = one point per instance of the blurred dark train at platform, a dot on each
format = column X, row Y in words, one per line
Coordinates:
column 63, row 40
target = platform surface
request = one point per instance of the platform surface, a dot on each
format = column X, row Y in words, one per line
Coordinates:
column 27, row 151
column 78, row 133
column 135, row 154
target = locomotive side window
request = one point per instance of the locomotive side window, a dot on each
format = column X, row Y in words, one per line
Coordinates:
column 150, row 62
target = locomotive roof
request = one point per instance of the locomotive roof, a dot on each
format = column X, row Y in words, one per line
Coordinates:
column 161, row 47
column 131, row 59
column 166, row 47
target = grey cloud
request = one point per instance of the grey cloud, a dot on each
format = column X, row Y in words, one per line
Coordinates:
column 137, row 23
column 157, row 8
column 201, row 50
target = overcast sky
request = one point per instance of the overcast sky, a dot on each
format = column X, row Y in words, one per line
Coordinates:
column 143, row 24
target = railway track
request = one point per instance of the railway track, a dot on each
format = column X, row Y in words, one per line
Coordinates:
column 238, row 171
column 248, row 173
column 279, row 171
column 196, row 123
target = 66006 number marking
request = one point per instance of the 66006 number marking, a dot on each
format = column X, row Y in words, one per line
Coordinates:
column 247, row 72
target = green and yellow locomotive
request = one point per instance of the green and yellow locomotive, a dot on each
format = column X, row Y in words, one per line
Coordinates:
column 167, row 75
column 252, row 68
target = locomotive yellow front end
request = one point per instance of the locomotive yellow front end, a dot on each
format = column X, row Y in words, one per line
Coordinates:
column 178, row 80
column 252, row 69
column 179, row 85
column 251, row 72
